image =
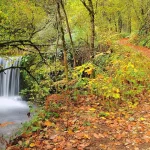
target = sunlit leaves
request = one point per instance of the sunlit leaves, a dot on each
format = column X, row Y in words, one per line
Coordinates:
column 21, row 19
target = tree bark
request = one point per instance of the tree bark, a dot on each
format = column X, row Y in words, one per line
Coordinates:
column 63, row 40
column 119, row 22
column 69, row 32
column 92, row 34
column 90, row 9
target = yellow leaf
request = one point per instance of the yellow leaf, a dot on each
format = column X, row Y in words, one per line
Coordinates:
column 95, row 127
column 70, row 132
column 92, row 109
column 103, row 118
column 89, row 71
column 99, row 76
column 86, row 136
column 56, row 128
column 117, row 90
column 142, row 119
column 32, row 145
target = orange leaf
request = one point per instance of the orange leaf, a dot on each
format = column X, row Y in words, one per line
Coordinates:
column 47, row 123
column 70, row 132
column 6, row 124
column 89, row 71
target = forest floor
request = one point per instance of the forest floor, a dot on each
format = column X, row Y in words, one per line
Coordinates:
column 84, row 124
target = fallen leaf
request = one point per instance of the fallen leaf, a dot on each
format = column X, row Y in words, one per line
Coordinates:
column 86, row 136
column 32, row 145
column 96, row 135
column 53, row 137
column 83, row 145
column 92, row 109
column 47, row 123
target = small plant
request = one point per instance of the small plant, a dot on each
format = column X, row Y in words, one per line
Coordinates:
column 104, row 114
column 86, row 123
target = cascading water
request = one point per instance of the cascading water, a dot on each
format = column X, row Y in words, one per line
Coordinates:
column 10, row 84
column 10, row 79
column 12, row 107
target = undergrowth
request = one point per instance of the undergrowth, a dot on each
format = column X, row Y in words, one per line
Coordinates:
column 116, row 77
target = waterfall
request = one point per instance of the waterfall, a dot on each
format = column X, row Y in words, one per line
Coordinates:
column 10, row 79
column 12, row 107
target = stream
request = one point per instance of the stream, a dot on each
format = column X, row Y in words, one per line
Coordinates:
column 13, row 112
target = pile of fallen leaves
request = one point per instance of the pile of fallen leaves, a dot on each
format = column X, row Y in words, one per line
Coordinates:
column 84, row 125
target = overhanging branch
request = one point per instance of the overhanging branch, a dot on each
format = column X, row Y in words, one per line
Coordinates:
column 21, row 68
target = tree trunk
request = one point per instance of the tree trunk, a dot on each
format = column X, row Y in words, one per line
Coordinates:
column 90, row 9
column 92, row 34
column 119, row 22
column 63, row 40
column 114, row 18
column 129, row 24
column 69, row 31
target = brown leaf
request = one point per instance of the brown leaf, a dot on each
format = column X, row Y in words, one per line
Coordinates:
column 99, row 135
column 119, row 136
column 83, row 145
column 49, row 146
column 146, row 138
column 53, row 136
column 96, row 135
column 148, row 133
column 13, row 148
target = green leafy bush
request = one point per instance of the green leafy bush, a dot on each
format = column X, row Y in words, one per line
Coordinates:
column 37, row 84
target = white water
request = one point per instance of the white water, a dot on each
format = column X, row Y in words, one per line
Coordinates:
column 10, row 79
column 10, row 85
column 12, row 107
column 12, row 103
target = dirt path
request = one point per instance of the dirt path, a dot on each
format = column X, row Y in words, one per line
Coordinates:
column 144, row 50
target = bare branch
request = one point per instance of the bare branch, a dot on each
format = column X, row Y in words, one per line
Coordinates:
column 86, row 6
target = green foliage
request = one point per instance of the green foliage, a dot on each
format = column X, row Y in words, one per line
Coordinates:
column 140, row 39
column 125, row 35
column 19, row 19
column 86, row 123
column 104, row 114
column 101, row 60
column 82, row 74
column 38, row 121
column 41, row 72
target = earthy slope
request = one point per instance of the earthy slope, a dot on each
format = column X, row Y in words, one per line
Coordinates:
column 82, row 123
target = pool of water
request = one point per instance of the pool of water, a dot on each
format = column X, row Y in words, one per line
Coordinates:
column 13, row 112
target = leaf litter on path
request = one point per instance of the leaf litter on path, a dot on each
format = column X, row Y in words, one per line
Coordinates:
column 84, row 127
